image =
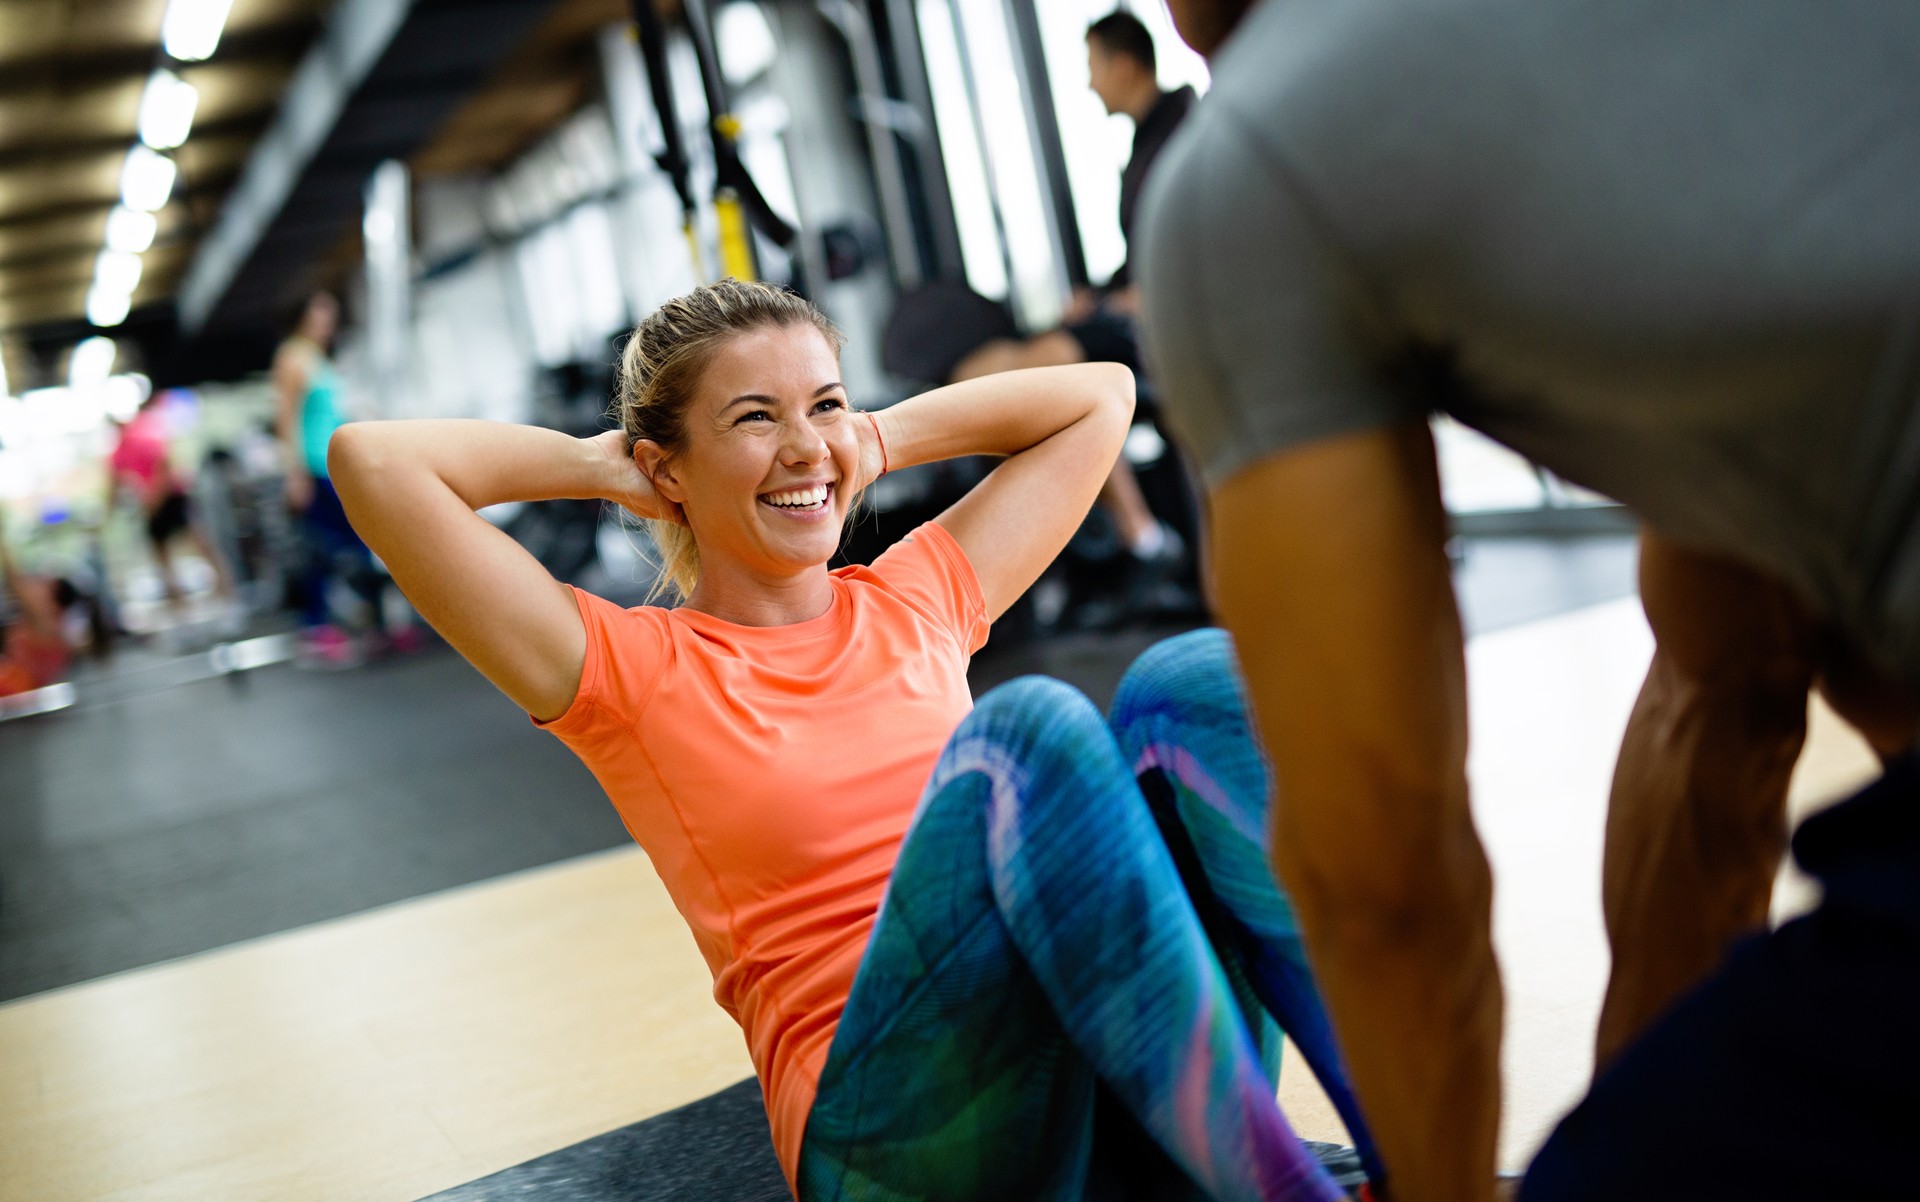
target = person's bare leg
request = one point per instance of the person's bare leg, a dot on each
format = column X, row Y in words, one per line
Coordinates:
column 1054, row 349
column 222, row 574
column 169, row 579
column 1696, row 825
column 1120, row 496
column 1330, row 571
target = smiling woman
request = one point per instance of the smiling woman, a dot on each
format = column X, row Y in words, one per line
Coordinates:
column 720, row 731
column 769, row 361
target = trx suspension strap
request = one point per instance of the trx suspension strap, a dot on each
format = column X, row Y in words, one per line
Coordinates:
column 672, row 157
column 737, row 200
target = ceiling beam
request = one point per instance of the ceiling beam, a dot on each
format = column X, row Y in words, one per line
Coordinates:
column 188, row 192
column 60, row 152
column 56, row 212
column 67, row 72
column 41, row 256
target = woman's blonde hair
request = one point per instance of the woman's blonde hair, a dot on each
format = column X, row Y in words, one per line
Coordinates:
column 660, row 370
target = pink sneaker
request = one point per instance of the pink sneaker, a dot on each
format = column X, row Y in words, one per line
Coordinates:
column 406, row 640
column 328, row 647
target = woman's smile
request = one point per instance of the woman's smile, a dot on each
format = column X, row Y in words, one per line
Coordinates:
column 804, row 500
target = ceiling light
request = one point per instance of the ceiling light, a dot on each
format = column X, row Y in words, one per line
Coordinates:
column 106, row 309
column 166, row 110
column 122, row 395
column 116, row 271
column 191, row 28
column 130, row 230
column 91, row 362
column 147, row 179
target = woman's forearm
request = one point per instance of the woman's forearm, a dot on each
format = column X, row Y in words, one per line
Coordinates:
column 482, row 462
column 1002, row 414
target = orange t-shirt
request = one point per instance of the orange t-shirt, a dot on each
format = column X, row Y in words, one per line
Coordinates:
column 771, row 772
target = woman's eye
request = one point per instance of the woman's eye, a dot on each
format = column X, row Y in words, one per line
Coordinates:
column 756, row 415
column 830, row 403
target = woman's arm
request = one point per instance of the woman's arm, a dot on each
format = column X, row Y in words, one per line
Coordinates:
column 1061, row 429
column 411, row 488
column 290, row 374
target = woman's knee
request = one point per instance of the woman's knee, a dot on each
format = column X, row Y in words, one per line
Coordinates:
column 1029, row 731
column 1182, row 708
column 1190, row 680
column 1198, row 667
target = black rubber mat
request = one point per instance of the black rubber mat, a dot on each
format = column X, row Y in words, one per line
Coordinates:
column 715, row 1150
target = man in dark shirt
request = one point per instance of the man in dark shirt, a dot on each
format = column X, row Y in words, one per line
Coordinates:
column 1668, row 251
column 1123, row 70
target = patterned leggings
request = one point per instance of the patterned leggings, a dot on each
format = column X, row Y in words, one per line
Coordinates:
column 1071, row 989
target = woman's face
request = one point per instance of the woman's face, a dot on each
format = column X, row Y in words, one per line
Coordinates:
column 768, row 464
column 321, row 319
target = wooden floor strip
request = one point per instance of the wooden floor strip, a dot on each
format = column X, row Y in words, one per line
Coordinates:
column 384, row 1056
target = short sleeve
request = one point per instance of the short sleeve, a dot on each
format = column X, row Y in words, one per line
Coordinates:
column 1261, row 331
column 626, row 654
column 932, row 572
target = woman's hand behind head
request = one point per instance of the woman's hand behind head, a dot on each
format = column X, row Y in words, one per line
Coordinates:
column 625, row 484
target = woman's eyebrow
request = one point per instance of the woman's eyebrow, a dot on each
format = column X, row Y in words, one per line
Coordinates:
column 758, row 398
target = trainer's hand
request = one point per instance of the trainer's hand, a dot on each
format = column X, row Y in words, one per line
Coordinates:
column 623, row 483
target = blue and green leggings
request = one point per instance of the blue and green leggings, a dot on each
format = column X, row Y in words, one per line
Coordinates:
column 1073, row 985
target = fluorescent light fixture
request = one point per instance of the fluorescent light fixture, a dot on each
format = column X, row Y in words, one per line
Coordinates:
column 116, row 271
column 91, row 362
column 121, row 396
column 192, row 28
column 147, row 179
column 166, row 110
column 107, row 309
column 130, row 230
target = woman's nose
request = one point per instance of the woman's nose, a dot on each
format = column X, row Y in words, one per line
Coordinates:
column 803, row 444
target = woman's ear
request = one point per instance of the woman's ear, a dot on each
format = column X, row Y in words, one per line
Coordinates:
column 656, row 465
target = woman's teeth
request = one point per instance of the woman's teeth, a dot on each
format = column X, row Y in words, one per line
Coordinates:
column 797, row 498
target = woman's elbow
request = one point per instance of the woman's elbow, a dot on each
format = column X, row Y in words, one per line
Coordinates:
column 349, row 451
column 1114, row 390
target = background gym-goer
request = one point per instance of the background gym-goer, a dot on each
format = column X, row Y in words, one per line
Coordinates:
column 944, row 333
column 140, row 469
column 1668, row 252
column 310, row 408
column 35, row 650
column 1122, row 70
column 1099, row 323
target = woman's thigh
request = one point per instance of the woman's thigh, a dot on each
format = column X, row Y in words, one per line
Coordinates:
column 1180, row 718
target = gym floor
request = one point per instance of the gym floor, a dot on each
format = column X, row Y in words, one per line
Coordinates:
column 370, row 935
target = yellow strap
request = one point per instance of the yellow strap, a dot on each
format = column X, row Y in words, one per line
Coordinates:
column 693, row 249
column 736, row 241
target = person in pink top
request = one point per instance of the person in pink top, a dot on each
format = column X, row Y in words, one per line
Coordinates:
column 139, row 470
column 1005, row 951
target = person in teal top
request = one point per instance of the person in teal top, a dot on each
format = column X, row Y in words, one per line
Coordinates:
column 307, row 391
column 319, row 415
